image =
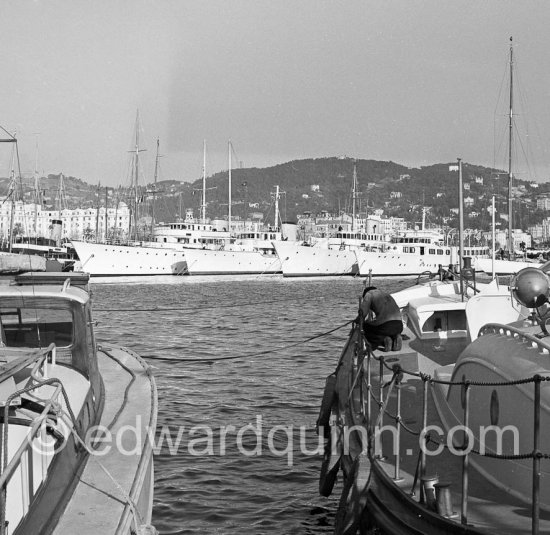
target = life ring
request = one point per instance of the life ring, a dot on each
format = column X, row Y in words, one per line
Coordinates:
column 354, row 497
column 330, row 466
column 323, row 421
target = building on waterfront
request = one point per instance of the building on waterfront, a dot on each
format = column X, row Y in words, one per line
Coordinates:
column 501, row 238
column 541, row 231
column 32, row 221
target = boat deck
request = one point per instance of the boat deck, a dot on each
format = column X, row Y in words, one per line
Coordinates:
column 489, row 509
column 100, row 500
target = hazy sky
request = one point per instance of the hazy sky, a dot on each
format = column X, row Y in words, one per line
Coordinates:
column 415, row 82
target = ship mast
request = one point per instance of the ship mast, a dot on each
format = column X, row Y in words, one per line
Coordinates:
column 276, row 207
column 203, row 205
column 12, row 195
column 155, row 189
column 37, row 195
column 354, row 195
column 229, row 187
column 510, row 149
column 134, row 182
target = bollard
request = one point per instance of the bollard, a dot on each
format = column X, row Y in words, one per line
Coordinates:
column 428, row 484
column 443, row 499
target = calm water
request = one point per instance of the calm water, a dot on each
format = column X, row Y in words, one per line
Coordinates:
column 271, row 486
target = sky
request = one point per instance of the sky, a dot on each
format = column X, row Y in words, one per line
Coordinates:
column 416, row 82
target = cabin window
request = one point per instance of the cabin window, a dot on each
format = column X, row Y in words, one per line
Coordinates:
column 35, row 327
column 431, row 251
column 440, row 251
column 445, row 320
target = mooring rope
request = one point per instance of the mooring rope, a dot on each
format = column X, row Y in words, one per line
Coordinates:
column 208, row 360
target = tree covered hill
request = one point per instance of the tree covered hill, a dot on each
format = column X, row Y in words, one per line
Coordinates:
column 322, row 184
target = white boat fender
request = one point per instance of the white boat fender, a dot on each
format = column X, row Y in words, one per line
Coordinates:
column 330, row 466
column 354, row 497
column 326, row 406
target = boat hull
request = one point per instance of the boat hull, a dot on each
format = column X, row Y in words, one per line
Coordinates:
column 398, row 264
column 502, row 267
column 122, row 260
column 225, row 262
column 303, row 261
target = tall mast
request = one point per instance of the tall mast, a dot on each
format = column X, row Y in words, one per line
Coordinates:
column 203, row 205
column 135, row 180
column 97, row 212
column 155, row 189
column 12, row 194
column 276, row 207
column 510, row 150
column 136, row 172
column 460, row 224
column 37, row 196
column 354, row 195
column 229, row 178
column 61, row 201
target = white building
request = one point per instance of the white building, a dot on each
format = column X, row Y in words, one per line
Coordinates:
column 33, row 221
column 543, row 203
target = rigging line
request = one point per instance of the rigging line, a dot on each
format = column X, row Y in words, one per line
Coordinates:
column 252, row 355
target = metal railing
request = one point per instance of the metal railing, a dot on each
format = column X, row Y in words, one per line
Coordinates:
column 362, row 375
column 23, row 457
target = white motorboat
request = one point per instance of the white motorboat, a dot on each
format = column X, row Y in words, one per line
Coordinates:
column 61, row 394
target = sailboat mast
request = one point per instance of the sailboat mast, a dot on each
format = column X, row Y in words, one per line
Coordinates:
column 97, row 213
column 12, row 192
column 510, row 150
column 229, row 175
column 155, row 189
column 460, row 225
column 354, row 195
column 203, row 205
column 136, row 171
column 36, row 192
column 276, row 207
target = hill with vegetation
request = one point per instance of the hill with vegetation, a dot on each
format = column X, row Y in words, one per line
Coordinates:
column 322, row 185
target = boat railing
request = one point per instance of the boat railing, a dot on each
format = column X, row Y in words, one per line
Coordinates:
column 23, row 459
column 369, row 396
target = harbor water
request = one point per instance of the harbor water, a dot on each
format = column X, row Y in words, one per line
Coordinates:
column 240, row 365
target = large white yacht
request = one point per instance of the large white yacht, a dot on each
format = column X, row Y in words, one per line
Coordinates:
column 164, row 255
column 326, row 255
column 412, row 253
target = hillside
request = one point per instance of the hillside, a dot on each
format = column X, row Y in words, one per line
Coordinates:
column 325, row 184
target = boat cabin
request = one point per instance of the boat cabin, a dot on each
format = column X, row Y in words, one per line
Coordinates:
column 50, row 386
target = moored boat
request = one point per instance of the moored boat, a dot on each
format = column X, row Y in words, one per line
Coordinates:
column 451, row 464
column 69, row 462
column 299, row 260
column 411, row 253
column 248, row 253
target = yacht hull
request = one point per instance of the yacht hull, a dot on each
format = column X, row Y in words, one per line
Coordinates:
column 303, row 261
column 226, row 262
column 99, row 259
column 398, row 264
column 502, row 267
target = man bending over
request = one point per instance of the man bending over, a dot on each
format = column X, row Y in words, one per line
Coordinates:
column 382, row 319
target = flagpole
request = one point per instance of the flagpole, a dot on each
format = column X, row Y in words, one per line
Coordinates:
column 493, row 224
column 460, row 225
